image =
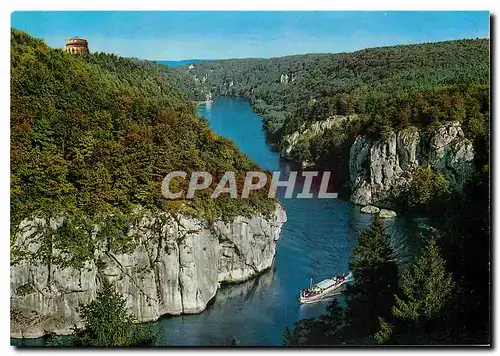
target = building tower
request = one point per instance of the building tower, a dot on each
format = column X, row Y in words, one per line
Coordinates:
column 76, row 45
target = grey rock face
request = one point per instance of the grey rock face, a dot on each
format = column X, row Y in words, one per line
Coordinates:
column 175, row 267
column 382, row 170
column 386, row 214
column 289, row 142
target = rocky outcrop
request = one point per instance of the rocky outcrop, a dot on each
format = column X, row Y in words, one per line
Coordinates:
column 285, row 78
column 370, row 209
column 380, row 171
column 174, row 266
column 290, row 143
column 387, row 214
column 451, row 151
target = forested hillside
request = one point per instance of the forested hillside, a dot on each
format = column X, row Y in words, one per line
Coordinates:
column 93, row 136
column 444, row 298
column 389, row 87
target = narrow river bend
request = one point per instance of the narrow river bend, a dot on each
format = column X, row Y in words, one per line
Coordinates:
column 315, row 242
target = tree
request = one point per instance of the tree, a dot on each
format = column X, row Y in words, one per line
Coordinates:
column 54, row 340
column 325, row 330
column 426, row 287
column 107, row 322
column 289, row 337
column 375, row 273
column 466, row 245
column 427, row 188
column 93, row 136
column 367, row 316
column 385, row 332
column 329, row 84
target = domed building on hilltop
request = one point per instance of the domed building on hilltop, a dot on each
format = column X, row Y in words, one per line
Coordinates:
column 76, row 45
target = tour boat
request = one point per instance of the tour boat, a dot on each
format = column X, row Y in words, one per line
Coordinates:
column 323, row 289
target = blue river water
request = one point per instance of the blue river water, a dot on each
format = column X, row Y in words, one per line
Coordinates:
column 316, row 243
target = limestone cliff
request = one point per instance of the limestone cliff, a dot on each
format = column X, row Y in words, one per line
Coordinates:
column 175, row 267
column 292, row 145
column 380, row 171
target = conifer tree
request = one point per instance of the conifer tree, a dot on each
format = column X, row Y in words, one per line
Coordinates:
column 107, row 322
column 426, row 288
column 375, row 273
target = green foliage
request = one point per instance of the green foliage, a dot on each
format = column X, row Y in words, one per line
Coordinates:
column 325, row 330
column 426, row 286
column 108, row 324
column 290, row 337
column 430, row 307
column 55, row 341
column 329, row 146
column 74, row 240
column 144, row 335
column 92, row 138
column 115, row 232
column 376, row 280
column 466, row 246
column 427, row 187
column 387, row 89
column 367, row 315
column 384, row 333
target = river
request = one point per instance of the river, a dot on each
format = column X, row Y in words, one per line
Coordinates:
column 316, row 242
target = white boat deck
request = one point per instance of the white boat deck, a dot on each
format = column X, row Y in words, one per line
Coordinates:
column 325, row 283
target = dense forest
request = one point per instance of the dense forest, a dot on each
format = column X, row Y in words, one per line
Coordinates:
column 92, row 138
column 387, row 88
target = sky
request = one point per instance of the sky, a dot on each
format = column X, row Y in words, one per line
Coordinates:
column 216, row 35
